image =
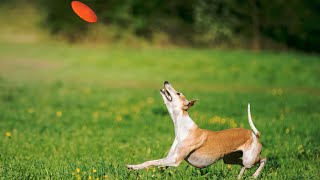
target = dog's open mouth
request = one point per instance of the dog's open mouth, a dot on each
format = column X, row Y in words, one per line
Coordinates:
column 166, row 94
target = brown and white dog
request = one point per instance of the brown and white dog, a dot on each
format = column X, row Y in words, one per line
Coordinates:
column 201, row 147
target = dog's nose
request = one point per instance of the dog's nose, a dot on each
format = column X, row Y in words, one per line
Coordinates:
column 166, row 82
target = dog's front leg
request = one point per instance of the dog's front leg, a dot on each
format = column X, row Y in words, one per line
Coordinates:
column 159, row 162
column 168, row 161
column 173, row 147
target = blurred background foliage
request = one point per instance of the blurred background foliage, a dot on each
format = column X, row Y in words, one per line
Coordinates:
column 253, row 24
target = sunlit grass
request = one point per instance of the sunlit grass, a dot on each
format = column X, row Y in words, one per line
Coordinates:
column 84, row 112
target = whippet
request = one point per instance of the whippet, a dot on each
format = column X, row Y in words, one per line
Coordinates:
column 200, row 147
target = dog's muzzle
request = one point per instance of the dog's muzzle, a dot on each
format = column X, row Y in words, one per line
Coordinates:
column 166, row 94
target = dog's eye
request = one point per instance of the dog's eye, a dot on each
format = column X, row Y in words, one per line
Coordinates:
column 178, row 94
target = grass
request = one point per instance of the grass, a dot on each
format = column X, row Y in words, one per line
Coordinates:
column 70, row 112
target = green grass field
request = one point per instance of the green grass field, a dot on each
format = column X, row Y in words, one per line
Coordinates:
column 71, row 112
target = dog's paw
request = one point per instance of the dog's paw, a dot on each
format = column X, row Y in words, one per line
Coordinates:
column 255, row 176
column 133, row 167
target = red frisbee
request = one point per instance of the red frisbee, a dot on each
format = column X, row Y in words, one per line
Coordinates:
column 84, row 11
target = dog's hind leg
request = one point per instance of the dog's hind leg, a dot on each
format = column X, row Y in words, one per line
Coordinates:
column 241, row 172
column 262, row 163
column 251, row 156
column 235, row 158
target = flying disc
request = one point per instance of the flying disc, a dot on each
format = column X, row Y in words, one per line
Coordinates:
column 84, row 11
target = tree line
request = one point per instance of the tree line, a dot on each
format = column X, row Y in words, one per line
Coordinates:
column 254, row 24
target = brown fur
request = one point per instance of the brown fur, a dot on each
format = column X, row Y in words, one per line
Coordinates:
column 211, row 146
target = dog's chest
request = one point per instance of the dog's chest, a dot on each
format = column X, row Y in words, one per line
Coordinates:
column 181, row 134
column 182, row 128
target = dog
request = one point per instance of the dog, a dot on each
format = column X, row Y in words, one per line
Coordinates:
column 200, row 147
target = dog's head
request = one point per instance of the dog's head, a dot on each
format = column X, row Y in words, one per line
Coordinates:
column 174, row 100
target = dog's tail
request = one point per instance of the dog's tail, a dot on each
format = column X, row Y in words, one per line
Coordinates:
column 254, row 129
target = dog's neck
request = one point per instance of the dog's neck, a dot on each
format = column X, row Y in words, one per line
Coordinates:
column 182, row 123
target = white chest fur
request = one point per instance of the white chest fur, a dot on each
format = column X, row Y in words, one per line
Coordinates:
column 182, row 125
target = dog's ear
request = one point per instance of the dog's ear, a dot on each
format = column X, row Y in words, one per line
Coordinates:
column 189, row 104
